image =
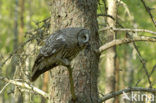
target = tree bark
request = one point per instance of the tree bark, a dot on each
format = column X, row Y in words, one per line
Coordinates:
column 76, row 13
column 13, row 62
column 111, row 53
column 117, row 79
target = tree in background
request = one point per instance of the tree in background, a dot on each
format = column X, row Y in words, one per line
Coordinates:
column 110, row 64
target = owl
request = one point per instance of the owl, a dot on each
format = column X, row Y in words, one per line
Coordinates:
column 60, row 48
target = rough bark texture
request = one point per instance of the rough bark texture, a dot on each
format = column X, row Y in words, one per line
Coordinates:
column 111, row 53
column 117, row 79
column 76, row 13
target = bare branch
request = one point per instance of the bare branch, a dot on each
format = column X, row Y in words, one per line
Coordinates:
column 127, row 30
column 149, row 75
column 126, row 9
column 114, row 94
column 149, row 12
column 106, row 16
column 27, row 86
column 142, row 60
column 72, row 89
column 4, row 87
column 16, row 50
column 34, row 36
column 125, row 40
column 154, row 69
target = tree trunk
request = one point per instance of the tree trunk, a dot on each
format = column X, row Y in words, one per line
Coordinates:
column 21, row 28
column 117, row 79
column 76, row 13
column 13, row 62
column 128, row 78
column 129, row 68
column 111, row 53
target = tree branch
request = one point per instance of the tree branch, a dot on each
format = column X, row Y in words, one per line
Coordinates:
column 127, row 30
column 4, row 87
column 71, row 82
column 106, row 16
column 126, row 9
column 16, row 50
column 143, row 61
column 27, row 86
column 132, row 40
column 149, row 12
column 125, row 40
column 34, row 34
column 138, row 52
column 72, row 89
column 114, row 94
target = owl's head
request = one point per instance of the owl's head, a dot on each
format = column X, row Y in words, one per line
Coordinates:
column 83, row 37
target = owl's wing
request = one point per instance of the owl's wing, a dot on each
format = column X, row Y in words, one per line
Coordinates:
column 44, row 61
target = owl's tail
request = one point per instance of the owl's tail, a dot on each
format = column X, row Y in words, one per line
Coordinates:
column 37, row 71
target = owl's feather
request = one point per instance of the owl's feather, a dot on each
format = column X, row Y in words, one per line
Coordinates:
column 61, row 45
column 46, row 58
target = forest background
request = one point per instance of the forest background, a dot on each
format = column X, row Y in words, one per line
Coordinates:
column 23, row 20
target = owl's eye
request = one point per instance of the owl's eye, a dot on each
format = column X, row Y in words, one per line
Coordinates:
column 84, row 37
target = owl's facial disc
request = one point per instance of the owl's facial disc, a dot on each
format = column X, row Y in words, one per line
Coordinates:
column 83, row 38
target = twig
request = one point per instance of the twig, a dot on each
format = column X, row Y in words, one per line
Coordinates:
column 149, row 76
column 27, row 86
column 144, row 65
column 72, row 89
column 44, row 20
column 138, row 52
column 35, row 31
column 154, row 68
column 71, row 82
column 126, row 9
column 125, row 40
column 127, row 30
column 105, row 6
column 15, row 51
column 149, row 12
column 106, row 16
column 4, row 87
column 112, row 95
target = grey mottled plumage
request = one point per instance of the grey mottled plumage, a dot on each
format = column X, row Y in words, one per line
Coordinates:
column 59, row 49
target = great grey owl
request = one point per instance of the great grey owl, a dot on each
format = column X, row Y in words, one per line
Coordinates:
column 60, row 48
